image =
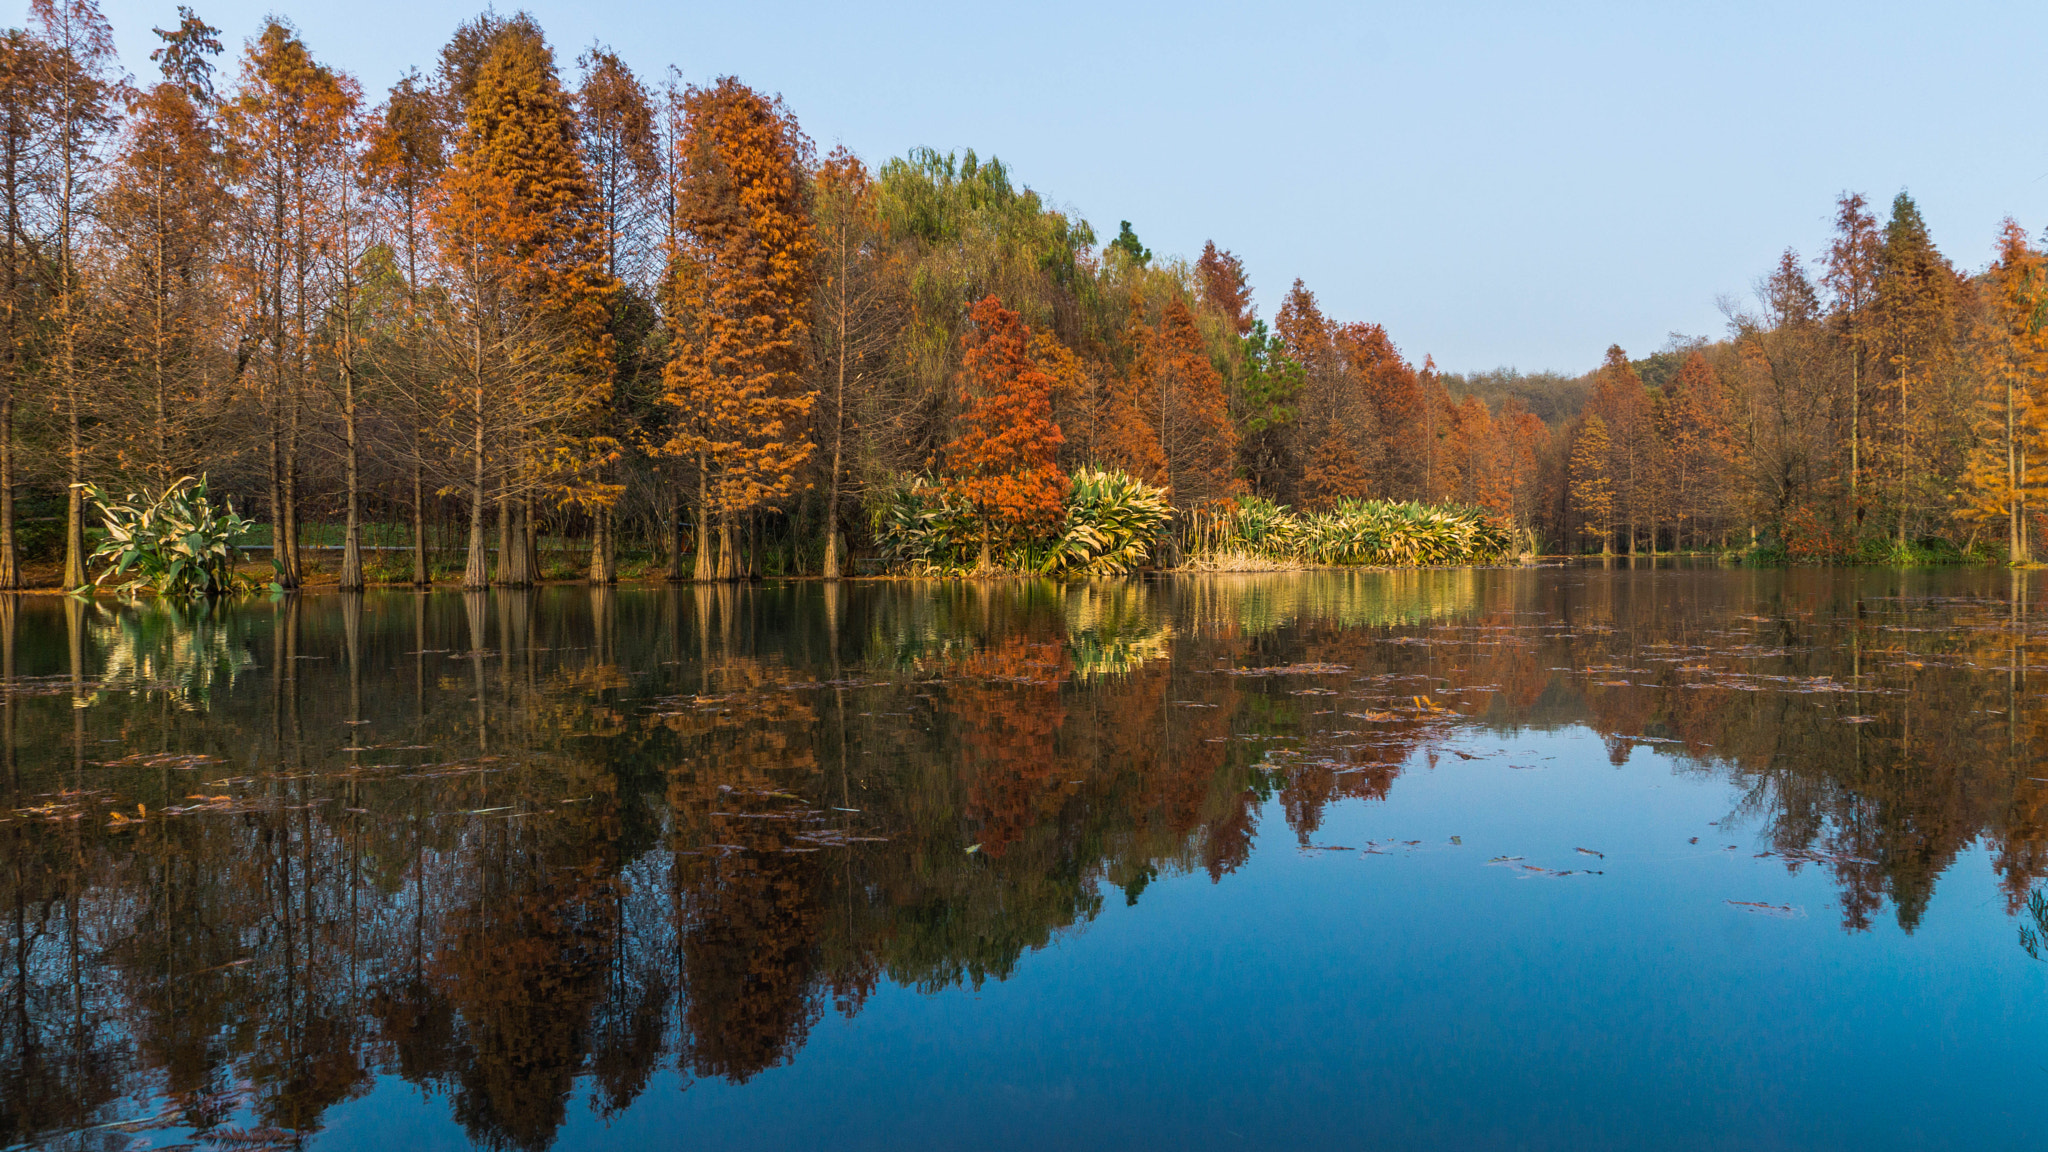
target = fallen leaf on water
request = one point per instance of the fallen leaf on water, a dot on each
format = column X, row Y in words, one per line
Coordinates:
column 1858, row 719
column 973, row 848
column 1590, row 852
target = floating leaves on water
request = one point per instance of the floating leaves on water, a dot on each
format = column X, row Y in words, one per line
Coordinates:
column 1289, row 670
column 1780, row 911
column 1531, row 871
column 1504, row 859
column 973, row 848
column 1858, row 719
column 182, row 761
column 1807, row 856
column 1590, row 852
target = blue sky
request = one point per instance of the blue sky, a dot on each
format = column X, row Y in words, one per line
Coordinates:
column 1498, row 184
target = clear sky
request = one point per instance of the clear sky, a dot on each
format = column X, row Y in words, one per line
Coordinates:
column 1498, row 184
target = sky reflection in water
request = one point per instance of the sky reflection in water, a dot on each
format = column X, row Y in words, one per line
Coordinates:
column 1565, row 858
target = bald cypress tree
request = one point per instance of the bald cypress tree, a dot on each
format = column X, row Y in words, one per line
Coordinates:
column 739, row 303
column 519, row 228
column 1592, row 485
column 78, row 81
column 286, row 119
column 1916, row 324
column 406, row 154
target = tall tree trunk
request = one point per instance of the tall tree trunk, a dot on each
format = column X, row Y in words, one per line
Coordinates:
column 1856, row 434
column 702, row 569
column 832, row 544
column 475, row 575
column 10, row 563
column 352, row 532
column 501, row 572
column 74, row 495
column 476, row 571
column 1905, row 461
column 675, row 538
column 291, row 499
column 422, row 576
column 529, row 542
column 728, row 562
column 600, row 547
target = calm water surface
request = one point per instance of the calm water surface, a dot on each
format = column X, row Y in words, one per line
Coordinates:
column 1565, row 858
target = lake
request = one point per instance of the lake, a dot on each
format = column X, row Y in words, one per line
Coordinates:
column 1560, row 858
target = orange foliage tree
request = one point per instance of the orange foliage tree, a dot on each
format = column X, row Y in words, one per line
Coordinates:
column 1004, row 460
column 519, row 230
column 1178, row 395
column 739, row 306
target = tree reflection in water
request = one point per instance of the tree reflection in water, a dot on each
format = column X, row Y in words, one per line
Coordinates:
column 515, row 847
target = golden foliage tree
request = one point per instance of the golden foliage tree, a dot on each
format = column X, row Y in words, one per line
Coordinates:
column 2002, row 481
column 1592, row 488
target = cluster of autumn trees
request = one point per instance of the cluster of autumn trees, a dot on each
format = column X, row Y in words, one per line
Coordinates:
column 539, row 308
column 1884, row 405
column 500, row 298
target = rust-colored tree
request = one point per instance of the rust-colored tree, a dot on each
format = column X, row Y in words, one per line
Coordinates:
column 77, row 82
column 162, row 402
column 1004, row 459
column 24, row 169
column 739, row 306
column 1225, row 287
column 1626, row 419
column 285, row 119
column 1176, row 391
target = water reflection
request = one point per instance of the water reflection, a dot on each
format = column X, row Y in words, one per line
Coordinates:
column 526, row 849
